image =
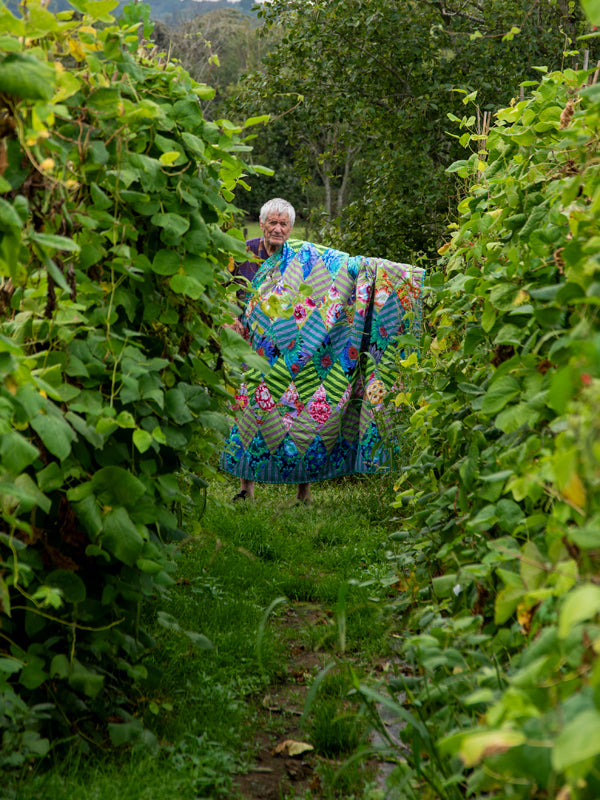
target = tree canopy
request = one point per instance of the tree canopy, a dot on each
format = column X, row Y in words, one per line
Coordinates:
column 361, row 92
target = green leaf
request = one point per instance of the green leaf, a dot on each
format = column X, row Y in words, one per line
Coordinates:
column 105, row 99
column 202, row 642
column 587, row 536
column 168, row 621
column 8, row 666
column 565, row 382
column 184, row 284
column 17, row 452
column 24, row 493
column 194, row 143
column 70, row 584
column 33, row 673
column 8, row 216
column 83, row 680
column 174, row 224
column 55, row 242
column 55, row 433
column 115, row 486
column 176, row 406
column 166, row 262
column 514, row 417
column 22, row 75
column 500, row 392
column 10, row 24
column 148, row 566
column 578, row 741
column 142, row 440
column 59, row 666
column 27, row 490
column 88, row 513
column 212, row 420
column 50, row 478
column 121, row 537
column 580, row 604
column 509, row 514
column 443, row 585
column 591, row 9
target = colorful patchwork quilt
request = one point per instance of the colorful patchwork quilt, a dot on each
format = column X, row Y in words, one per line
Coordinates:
column 327, row 324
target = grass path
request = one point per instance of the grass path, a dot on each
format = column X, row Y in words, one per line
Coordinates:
column 271, row 594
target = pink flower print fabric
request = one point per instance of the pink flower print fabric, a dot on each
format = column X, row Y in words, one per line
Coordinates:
column 263, row 398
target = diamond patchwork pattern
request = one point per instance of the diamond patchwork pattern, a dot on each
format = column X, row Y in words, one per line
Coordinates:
column 311, row 416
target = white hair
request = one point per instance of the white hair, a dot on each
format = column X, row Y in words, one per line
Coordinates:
column 278, row 206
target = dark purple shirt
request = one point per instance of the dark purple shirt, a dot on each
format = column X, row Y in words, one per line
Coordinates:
column 248, row 269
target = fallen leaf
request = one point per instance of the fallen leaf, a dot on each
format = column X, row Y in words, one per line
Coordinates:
column 289, row 747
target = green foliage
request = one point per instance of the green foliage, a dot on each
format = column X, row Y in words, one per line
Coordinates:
column 116, row 199
column 500, row 494
column 211, row 709
column 215, row 47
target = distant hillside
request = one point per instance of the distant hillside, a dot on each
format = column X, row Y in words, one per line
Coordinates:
column 175, row 11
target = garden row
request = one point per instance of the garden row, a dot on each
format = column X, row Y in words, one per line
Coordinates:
column 500, row 493
column 115, row 198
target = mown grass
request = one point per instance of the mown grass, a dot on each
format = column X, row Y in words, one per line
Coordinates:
column 239, row 572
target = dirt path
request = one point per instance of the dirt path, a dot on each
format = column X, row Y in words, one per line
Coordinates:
column 277, row 771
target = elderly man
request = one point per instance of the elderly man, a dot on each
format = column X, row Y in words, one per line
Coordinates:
column 276, row 221
column 330, row 327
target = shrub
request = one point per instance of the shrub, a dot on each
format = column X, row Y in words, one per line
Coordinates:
column 116, row 196
column 499, row 544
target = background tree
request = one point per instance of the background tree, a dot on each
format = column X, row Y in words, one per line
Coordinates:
column 375, row 81
column 215, row 47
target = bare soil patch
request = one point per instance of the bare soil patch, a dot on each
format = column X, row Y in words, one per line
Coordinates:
column 276, row 773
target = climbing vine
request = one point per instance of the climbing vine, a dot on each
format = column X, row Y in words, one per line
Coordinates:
column 116, row 231
column 498, row 551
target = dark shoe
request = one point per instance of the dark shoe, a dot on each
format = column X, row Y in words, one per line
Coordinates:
column 304, row 501
column 243, row 495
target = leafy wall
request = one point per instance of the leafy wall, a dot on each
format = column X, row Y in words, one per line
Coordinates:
column 499, row 552
column 116, row 195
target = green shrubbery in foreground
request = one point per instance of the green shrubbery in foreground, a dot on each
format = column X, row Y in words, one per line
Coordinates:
column 500, row 497
column 113, row 259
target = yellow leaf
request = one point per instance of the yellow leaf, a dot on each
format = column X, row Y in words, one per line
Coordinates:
column 76, row 49
column 524, row 616
column 168, row 158
column 438, row 346
column 522, row 297
column 488, row 743
column 444, row 248
column 289, row 747
column 574, row 491
column 10, row 384
column 410, row 361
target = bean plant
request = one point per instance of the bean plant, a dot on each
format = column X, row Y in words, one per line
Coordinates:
column 499, row 497
column 116, row 234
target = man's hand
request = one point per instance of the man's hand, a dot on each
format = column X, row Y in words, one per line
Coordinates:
column 237, row 327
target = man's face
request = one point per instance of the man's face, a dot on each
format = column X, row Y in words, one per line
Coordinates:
column 276, row 229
